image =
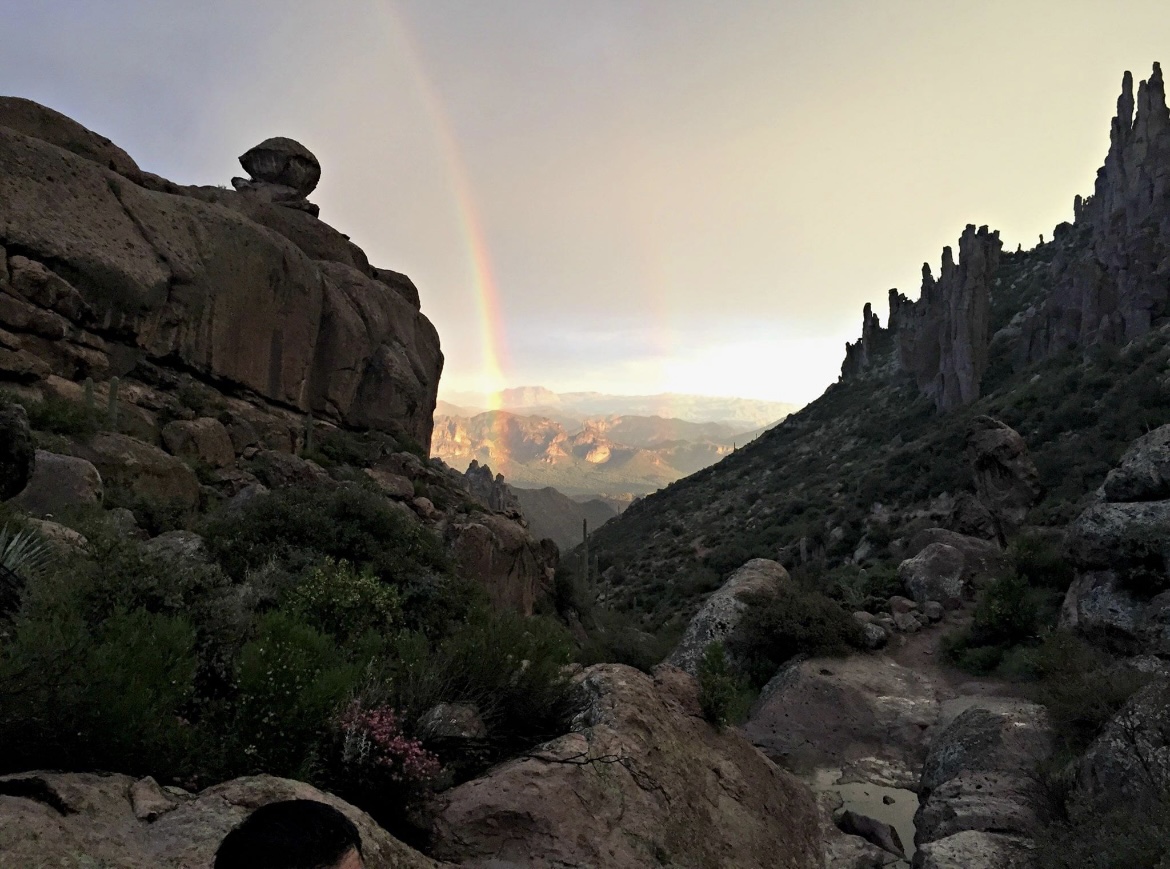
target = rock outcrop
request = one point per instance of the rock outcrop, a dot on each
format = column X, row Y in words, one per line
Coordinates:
column 17, row 451
column 723, row 610
column 502, row 556
column 492, row 491
column 1111, row 278
column 87, row 819
column 865, row 714
column 111, row 271
column 1120, row 547
column 980, row 796
column 943, row 337
column 642, row 780
column 1006, row 480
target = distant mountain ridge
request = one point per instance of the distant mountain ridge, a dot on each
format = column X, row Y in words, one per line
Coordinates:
column 742, row 413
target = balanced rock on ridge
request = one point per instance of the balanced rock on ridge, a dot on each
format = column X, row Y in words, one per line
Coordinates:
column 283, row 161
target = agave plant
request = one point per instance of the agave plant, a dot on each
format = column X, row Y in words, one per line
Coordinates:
column 23, row 552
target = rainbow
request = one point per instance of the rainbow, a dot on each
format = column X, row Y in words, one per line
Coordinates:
column 487, row 298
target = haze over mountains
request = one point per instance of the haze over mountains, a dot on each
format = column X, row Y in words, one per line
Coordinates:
column 592, row 443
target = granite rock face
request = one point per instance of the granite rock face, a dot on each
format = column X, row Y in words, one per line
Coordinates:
column 980, row 797
column 641, row 780
column 943, row 337
column 1120, row 548
column 1006, row 480
column 492, row 491
column 1112, row 281
column 722, row 611
column 118, row 270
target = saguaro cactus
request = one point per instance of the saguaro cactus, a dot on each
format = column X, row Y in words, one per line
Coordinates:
column 112, row 409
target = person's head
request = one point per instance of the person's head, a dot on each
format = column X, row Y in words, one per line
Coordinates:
column 293, row 834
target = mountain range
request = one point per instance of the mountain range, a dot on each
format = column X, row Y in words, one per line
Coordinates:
column 613, row 455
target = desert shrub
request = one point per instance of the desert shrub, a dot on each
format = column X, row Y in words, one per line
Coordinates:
column 867, row 588
column 1081, row 687
column 509, row 666
column 1133, row 836
column 154, row 515
column 1040, row 560
column 291, row 680
column 334, row 598
column 297, row 528
column 718, row 686
column 776, row 628
column 109, row 697
column 1009, row 613
column 615, row 637
column 372, row 761
column 64, row 417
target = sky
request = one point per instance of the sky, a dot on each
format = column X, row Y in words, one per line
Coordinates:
column 628, row 196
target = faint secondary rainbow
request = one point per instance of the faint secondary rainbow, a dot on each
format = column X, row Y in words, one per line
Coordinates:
column 487, row 298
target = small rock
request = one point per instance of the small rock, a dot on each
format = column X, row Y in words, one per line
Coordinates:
column 392, row 485
column 888, row 800
column 933, row 610
column 900, row 604
column 881, row 834
column 425, row 508
column 178, row 546
column 874, row 636
column 149, row 801
column 907, row 623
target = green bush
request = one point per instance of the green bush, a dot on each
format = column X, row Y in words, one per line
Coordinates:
column 718, row 686
column 292, row 680
column 1132, row 836
column 64, row 417
column 1040, row 561
column 297, row 528
column 108, row 698
column 344, row 603
column 776, row 628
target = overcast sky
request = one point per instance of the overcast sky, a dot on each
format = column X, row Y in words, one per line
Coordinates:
column 672, row 195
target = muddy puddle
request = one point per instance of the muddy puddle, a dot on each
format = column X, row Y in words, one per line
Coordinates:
column 893, row 806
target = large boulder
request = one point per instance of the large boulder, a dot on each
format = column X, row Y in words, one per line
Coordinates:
column 184, row 278
column 502, row 556
column 1130, row 760
column 59, row 483
column 1132, row 536
column 980, row 774
column 1120, row 547
column 1006, row 479
column 642, row 780
column 721, row 613
column 936, row 573
column 285, row 162
column 1144, row 471
column 864, row 714
column 17, row 451
column 983, row 560
column 1102, row 607
column 142, row 469
column 78, row 820
column 205, row 440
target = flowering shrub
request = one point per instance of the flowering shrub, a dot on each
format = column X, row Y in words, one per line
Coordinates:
column 373, row 741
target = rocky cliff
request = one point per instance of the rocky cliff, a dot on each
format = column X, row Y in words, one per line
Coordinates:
column 1105, row 279
column 106, row 270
